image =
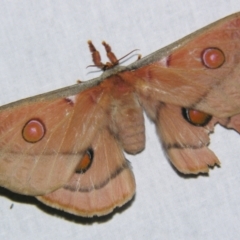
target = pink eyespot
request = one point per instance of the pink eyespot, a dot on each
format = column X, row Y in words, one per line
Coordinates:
column 33, row 131
column 213, row 58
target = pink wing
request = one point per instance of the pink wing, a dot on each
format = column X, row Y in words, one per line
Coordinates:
column 200, row 71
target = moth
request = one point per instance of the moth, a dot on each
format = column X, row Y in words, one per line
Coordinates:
column 66, row 147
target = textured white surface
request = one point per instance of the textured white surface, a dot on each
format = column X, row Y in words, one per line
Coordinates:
column 43, row 47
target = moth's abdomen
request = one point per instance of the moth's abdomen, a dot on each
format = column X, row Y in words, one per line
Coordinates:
column 128, row 126
column 131, row 131
column 127, row 121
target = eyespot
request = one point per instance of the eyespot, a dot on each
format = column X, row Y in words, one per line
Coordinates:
column 195, row 117
column 33, row 131
column 85, row 162
column 213, row 58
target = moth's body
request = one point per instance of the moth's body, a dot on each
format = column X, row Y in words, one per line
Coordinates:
column 65, row 147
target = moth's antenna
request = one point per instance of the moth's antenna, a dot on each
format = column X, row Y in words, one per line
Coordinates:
column 96, row 57
column 139, row 56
